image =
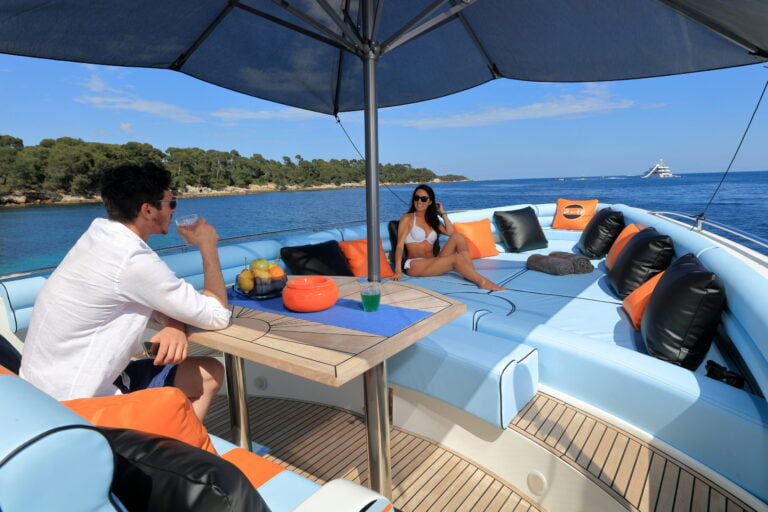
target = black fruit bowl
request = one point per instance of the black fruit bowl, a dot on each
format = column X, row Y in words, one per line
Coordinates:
column 263, row 290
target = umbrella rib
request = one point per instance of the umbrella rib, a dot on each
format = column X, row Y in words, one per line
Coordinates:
column 316, row 24
column 376, row 19
column 349, row 31
column 711, row 25
column 182, row 59
column 426, row 27
column 301, row 30
column 491, row 65
column 414, row 21
column 337, row 92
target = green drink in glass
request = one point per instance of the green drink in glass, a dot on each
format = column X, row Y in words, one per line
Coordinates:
column 370, row 293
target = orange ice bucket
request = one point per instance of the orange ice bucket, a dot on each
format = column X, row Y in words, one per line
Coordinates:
column 306, row 294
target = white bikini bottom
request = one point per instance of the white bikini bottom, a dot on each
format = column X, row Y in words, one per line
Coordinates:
column 408, row 262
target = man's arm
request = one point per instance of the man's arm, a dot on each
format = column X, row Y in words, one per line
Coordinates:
column 204, row 237
column 172, row 346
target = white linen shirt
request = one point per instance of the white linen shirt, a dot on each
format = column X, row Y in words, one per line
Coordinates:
column 91, row 313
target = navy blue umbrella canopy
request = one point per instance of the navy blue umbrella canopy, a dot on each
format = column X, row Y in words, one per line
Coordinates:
column 307, row 53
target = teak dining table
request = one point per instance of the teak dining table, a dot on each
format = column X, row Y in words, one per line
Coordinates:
column 332, row 354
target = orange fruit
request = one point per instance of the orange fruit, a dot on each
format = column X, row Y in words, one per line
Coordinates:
column 276, row 272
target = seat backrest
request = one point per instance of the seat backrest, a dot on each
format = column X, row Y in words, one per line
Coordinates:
column 50, row 458
column 746, row 290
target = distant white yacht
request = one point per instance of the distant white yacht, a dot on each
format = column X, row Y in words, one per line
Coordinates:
column 660, row 170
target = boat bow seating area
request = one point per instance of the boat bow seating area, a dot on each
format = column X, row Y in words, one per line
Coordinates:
column 569, row 333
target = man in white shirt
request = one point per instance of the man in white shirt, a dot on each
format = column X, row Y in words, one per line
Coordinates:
column 89, row 317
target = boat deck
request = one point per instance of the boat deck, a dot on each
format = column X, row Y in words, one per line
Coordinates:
column 637, row 475
column 323, row 443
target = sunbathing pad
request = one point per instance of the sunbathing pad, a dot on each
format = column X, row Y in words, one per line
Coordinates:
column 386, row 321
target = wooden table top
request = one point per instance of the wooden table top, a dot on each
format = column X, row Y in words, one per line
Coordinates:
column 324, row 353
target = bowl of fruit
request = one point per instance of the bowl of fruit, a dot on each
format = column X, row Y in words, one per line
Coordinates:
column 261, row 280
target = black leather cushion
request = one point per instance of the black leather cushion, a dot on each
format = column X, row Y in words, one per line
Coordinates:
column 683, row 312
column 392, row 227
column 323, row 259
column 644, row 256
column 520, row 230
column 156, row 473
column 9, row 356
column 598, row 237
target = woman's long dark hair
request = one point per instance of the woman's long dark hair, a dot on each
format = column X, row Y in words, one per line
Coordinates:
column 430, row 216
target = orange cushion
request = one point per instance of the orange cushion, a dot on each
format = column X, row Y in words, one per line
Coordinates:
column 258, row 469
column 162, row 411
column 356, row 253
column 573, row 214
column 621, row 241
column 634, row 303
column 479, row 238
column 6, row 371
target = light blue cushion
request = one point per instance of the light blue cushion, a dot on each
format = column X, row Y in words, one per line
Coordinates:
column 19, row 297
column 489, row 377
column 63, row 470
column 286, row 490
column 309, row 237
column 593, row 286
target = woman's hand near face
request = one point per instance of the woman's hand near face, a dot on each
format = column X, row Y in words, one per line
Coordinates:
column 439, row 207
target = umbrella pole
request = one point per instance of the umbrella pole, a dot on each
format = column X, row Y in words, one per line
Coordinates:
column 372, row 165
column 375, row 380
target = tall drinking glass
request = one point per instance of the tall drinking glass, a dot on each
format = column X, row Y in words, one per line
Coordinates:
column 370, row 293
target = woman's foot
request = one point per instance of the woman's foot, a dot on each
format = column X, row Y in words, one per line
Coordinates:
column 487, row 284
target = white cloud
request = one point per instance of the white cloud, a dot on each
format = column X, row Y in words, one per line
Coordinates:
column 154, row 108
column 108, row 97
column 232, row 115
column 593, row 100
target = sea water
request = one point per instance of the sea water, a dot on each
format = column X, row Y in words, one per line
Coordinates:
column 39, row 236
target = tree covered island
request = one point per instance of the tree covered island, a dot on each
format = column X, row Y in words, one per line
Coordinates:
column 68, row 169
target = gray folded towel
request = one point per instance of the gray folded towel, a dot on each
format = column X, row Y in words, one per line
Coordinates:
column 581, row 264
column 550, row 265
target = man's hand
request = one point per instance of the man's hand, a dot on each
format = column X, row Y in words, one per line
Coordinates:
column 172, row 347
column 397, row 276
column 200, row 234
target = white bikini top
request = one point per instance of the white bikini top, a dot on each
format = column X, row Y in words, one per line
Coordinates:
column 417, row 234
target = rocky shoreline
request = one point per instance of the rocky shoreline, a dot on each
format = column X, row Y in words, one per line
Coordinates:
column 42, row 197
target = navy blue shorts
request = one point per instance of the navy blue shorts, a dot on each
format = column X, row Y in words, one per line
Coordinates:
column 143, row 374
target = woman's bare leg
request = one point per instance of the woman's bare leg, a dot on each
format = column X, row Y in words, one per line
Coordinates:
column 460, row 263
column 457, row 243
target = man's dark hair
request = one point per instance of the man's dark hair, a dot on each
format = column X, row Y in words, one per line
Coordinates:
column 125, row 188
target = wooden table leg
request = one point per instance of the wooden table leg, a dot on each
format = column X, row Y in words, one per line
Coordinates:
column 377, row 424
column 239, row 422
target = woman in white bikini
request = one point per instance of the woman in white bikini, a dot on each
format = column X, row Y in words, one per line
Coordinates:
column 417, row 233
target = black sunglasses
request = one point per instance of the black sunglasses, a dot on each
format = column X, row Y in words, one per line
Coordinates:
column 173, row 202
column 423, row 199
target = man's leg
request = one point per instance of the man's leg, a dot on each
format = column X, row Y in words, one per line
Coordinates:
column 200, row 378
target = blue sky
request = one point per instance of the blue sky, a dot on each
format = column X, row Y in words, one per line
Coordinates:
column 503, row 129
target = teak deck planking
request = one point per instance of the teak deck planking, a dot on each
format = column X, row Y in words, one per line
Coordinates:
column 323, row 443
column 636, row 474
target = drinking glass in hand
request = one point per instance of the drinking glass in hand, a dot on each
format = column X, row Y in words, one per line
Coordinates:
column 370, row 293
column 184, row 221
